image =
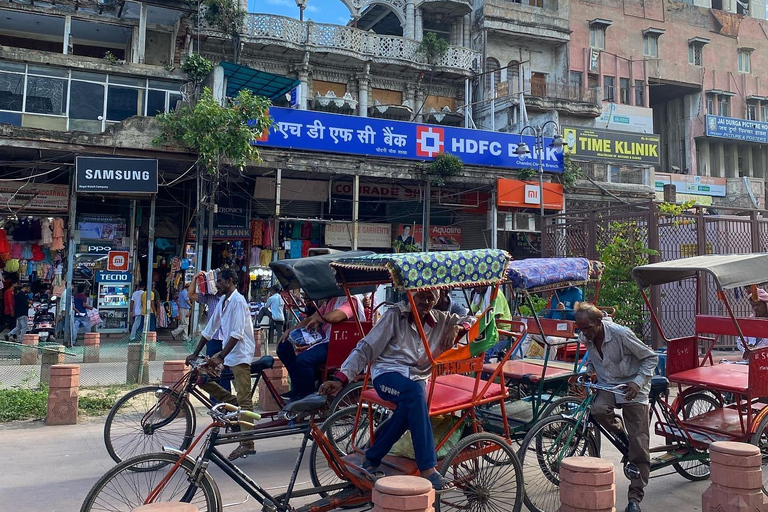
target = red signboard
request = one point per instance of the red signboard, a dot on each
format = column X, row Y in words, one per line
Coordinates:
column 117, row 261
column 525, row 194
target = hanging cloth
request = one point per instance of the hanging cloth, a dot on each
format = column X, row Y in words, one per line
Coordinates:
column 257, row 232
column 26, row 252
column 16, row 250
column 46, row 237
column 4, row 246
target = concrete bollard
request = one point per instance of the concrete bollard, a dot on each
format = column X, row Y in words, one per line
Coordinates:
column 737, row 479
column 91, row 347
column 53, row 354
column 29, row 348
column 167, row 507
column 132, row 367
column 403, row 494
column 278, row 376
column 173, row 371
column 587, row 484
column 62, row 394
column 151, row 347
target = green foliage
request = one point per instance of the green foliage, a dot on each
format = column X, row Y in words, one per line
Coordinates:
column 539, row 303
column 571, row 172
column 219, row 134
column 98, row 403
column 526, row 173
column 226, row 15
column 110, row 57
column 22, row 402
column 673, row 209
column 443, row 166
column 399, row 246
column 432, row 48
column 196, row 67
column 625, row 250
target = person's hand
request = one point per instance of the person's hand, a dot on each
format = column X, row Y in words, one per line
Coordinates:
column 632, row 391
column 215, row 361
column 285, row 335
column 330, row 387
column 450, row 337
column 190, row 358
column 312, row 325
column 560, row 306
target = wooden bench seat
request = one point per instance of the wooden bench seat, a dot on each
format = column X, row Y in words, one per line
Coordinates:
column 532, row 370
column 732, row 378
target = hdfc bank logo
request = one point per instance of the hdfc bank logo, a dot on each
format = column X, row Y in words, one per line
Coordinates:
column 430, row 141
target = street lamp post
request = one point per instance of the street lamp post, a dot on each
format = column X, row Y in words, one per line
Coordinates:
column 301, row 4
column 522, row 149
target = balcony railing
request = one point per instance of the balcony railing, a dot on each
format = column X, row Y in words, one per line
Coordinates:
column 347, row 41
column 563, row 92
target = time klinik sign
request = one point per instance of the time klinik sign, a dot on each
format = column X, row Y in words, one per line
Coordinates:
column 319, row 131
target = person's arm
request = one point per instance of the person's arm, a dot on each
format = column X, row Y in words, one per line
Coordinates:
column 648, row 361
column 192, row 288
column 341, row 313
column 214, row 321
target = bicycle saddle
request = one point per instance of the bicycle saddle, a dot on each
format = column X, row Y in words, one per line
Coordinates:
column 659, row 386
column 308, row 404
column 265, row 363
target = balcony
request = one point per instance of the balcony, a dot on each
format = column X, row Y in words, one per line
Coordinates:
column 267, row 29
column 549, row 22
column 546, row 96
column 447, row 8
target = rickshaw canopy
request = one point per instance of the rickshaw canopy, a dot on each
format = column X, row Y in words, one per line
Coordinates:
column 728, row 270
column 426, row 270
column 542, row 273
column 314, row 275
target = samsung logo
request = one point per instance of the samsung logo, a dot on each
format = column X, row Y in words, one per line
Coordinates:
column 116, row 174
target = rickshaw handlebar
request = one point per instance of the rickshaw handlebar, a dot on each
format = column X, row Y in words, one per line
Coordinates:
column 618, row 389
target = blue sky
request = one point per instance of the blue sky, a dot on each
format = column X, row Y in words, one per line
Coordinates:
column 321, row 11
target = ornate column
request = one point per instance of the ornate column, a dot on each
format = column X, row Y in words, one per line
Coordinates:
column 304, row 79
column 408, row 29
column 419, row 26
column 363, row 82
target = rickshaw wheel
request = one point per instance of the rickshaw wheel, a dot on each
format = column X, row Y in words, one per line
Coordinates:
column 760, row 439
column 543, row 448
column 695, row 405
column 485, row 473
column 348, row 397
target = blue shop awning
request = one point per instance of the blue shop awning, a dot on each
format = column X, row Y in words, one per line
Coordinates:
column 258, row 82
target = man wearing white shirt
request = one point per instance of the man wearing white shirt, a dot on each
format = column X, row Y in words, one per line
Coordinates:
column 136, row 311
column 233, row 316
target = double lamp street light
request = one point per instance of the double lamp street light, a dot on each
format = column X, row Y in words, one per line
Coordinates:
column 522, row 150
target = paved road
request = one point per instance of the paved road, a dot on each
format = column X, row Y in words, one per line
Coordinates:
column 52, row 469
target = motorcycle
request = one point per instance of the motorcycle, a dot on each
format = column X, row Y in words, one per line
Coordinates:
column 44, row 321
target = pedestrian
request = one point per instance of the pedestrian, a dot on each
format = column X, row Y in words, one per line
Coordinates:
column 274, row 310
column 21, row 312
column 8, row 300
column 759, row 310
column 137, row 316
column 215, row 344
column 232, row 315
column 184, row 310
column 81, row 307
column 617, row 356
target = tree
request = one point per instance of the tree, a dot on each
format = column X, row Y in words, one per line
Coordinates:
column 433, row 49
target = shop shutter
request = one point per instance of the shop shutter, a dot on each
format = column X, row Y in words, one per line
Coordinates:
column 297, row 209
column 474, row 231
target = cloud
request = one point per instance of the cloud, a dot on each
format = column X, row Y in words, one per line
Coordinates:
column 281, row 3
column 312, row 8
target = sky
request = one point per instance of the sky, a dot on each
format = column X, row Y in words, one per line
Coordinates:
column 321, row 11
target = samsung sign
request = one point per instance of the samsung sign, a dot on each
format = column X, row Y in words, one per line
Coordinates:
column 116, row 175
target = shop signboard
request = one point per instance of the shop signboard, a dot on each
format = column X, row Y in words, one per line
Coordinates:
column 525, row 194
column 116, row 175
column 441, row 238
column 612, row 146
column 291, row 190
column 626, row 118
column 339, row 234
column 117, row 261
column 113, row 277
column 690, row 184
column 736, row 129
column 475, row 201
column 684, row 198
column 320, row 131
column 37, row 197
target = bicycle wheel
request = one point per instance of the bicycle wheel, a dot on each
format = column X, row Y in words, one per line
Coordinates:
column 486, row 475
column 339, row 428
column 760, row 439
column 561, row 405
column 127, row 485
column 147, row 419
column 696, row 405
column 547, row 443
column 348, row 397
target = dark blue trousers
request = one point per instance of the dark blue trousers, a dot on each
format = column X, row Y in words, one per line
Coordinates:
column 412, row 414
column 214, row 347
column 302, row 368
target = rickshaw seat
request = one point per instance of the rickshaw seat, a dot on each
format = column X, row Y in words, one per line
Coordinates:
column 732, row 378
column 659, row 386
column 723, row 326
column 520, row 369
column 550, row 327
column 467, row 383
column 264, row 363
column 344, row 337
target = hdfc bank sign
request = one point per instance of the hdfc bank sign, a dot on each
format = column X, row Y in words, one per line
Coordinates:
column 116, row 175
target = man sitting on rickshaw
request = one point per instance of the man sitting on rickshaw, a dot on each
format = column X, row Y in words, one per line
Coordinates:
column 303, row 363
column 400, row 370
column 617, row 356
column 759, row 310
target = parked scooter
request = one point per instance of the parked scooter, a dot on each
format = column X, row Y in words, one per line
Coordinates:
column 44, row 321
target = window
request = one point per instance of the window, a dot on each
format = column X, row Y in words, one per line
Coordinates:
column 752, row 111
column 624, row 91
column 608, row 88
column 694, row 53
column 576, row 79
column 651, row 44
column 745, row 61
column 711, row 98
column 597, row 37
column 723, row 106
column 86, row 106
column 46, row 95
column 492, row 69
column 11, row 91
column 639, row 93
column 614, row 173
column 593, row 81
column 764, row 112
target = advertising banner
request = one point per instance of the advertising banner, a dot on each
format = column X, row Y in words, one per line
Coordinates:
column 689, row 184
column 231, row 219
column 37, row 197
column 626, row 118
column 441, row 238
column 736, row 129
column 525, row 194
column 116, row 175
column 339, row 234
column 319, row 131
column 611, row 146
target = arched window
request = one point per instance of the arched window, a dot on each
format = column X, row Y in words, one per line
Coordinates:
column 513, row 72
column 492, row 73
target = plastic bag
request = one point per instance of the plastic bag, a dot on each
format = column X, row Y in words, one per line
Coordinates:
column 440, row 426
column 94, row 317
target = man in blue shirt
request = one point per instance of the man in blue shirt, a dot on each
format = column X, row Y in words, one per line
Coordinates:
column 562, row 302
column 274, row 310
column 184, row 310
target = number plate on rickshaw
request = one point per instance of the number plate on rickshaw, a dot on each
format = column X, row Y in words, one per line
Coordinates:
column 458, row 367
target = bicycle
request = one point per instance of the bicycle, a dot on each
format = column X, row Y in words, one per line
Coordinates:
column 151, row 417
column 575, row 433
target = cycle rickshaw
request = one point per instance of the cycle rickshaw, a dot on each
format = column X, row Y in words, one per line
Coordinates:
column 697, row 416
column 150, row 418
